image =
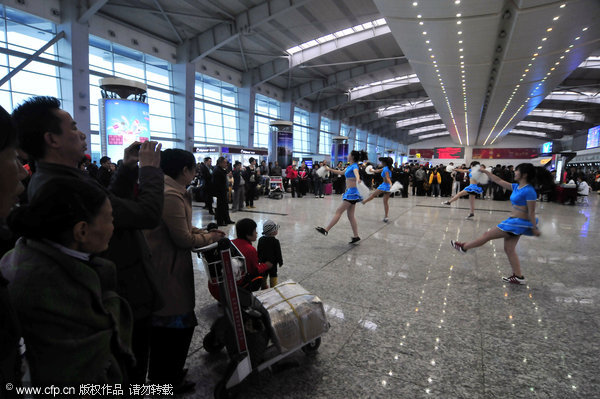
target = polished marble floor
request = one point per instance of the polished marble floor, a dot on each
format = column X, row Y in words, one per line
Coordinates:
column 412, row 318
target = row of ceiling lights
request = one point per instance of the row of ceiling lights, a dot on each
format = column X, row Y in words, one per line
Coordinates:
column 439, row 76
column 526, row 71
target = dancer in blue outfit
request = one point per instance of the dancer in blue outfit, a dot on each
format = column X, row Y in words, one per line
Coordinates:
column 350, row 197
column 522, row 220
column 384, row 187
column 471, row 190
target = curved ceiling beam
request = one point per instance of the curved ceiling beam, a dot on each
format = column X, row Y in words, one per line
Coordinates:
column 359, row 107
column 366, row 118
column 269, row 70
column 388, row 84
column 218, row 36
column 339, row 78
column 414, row 90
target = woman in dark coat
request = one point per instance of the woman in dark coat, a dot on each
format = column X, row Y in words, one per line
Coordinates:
column 76, row 328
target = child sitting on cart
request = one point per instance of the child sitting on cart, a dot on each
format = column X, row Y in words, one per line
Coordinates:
column 269, row 250
column 245, row 231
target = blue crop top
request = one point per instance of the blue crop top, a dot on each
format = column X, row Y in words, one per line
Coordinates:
column 349, row 173
column 386, row 169
column 520, row 196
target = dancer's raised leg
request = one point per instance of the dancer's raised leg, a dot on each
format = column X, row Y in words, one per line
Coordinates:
column 489, row 235
column 373, row 195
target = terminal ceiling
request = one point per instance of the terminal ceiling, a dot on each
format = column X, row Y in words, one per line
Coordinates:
column 530, row 67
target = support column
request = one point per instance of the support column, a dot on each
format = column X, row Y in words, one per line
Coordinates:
column 314, row 120
column 468, row 154
column 73, row 51
column 246, row 103
column 184, row 83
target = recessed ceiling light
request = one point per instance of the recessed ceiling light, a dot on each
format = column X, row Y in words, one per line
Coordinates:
column 539, row 47
column 529, row 64
column 421, row 23
column 424, row 32
column 584, row 29
column 567, row 50
column 460, row 42
column 458, row 15
column 415, row 4
column 544, row 39
column 555, row 18
column 578, row 37
column 549, row 30
column 462, row 56
column 456, row 1
column 556, row 63
column 460, row 49
column 460, row 32
column 458, row 22
column 535, row 54
column 427, row 41
column 562, row 56
column 419, row 16
column 430, row 49
column 563, row 5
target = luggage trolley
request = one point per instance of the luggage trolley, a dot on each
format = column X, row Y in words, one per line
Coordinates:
column 249, row 329
column 276, row 187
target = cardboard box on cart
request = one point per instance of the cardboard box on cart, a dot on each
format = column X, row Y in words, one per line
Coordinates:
column 297, row 317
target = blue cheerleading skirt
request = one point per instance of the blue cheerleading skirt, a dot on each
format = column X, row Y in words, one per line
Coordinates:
column 384, row 187
column 352, row 194
column 473, row 189
column 517, row 226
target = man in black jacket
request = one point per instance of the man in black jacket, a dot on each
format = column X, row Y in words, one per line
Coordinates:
column 50, row 136
column 206, row 174
column 220, row 191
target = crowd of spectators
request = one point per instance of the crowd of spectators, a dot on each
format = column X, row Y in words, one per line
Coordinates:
column 97, row 273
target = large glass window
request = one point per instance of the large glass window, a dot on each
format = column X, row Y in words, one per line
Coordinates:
column 23, row 34
column 265, row 110
column 216, row 116
column 111, row 59
column 325, row 136
column 301, row 132
column 360, row 143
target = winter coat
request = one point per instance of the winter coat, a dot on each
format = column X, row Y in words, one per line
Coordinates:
column 170, row 244
column 76, row 327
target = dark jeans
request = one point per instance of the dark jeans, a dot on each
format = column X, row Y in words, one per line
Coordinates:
column 140, row 345
column 250, row 193
column 435, row 189
column 318, row 184
column 222, row 213
column 295, row 189
column 169, row 349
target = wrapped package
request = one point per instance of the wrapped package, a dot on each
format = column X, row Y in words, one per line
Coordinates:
column 297, row 317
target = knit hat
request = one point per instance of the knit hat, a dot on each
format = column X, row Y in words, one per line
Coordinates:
column 269, row 227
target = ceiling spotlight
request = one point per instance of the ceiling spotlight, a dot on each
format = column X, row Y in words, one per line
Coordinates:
column 430, row 49
column 535, row 54
column 458, row 22
column 427, row 41
column 460, row 41
column 460, row 32
column 415, row 4
column 421, row 23
column 424, row 32
column 460, row 49
column 458, row 15
column 544, row 39
column 563, row 5
column 584, row 29
column 456, row 1
column 419, row 16
column 555, row 18
column 578, row 37
column 549, row 30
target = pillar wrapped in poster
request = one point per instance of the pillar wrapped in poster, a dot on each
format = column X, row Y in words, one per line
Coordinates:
column 281, row 144
column 339, row 150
